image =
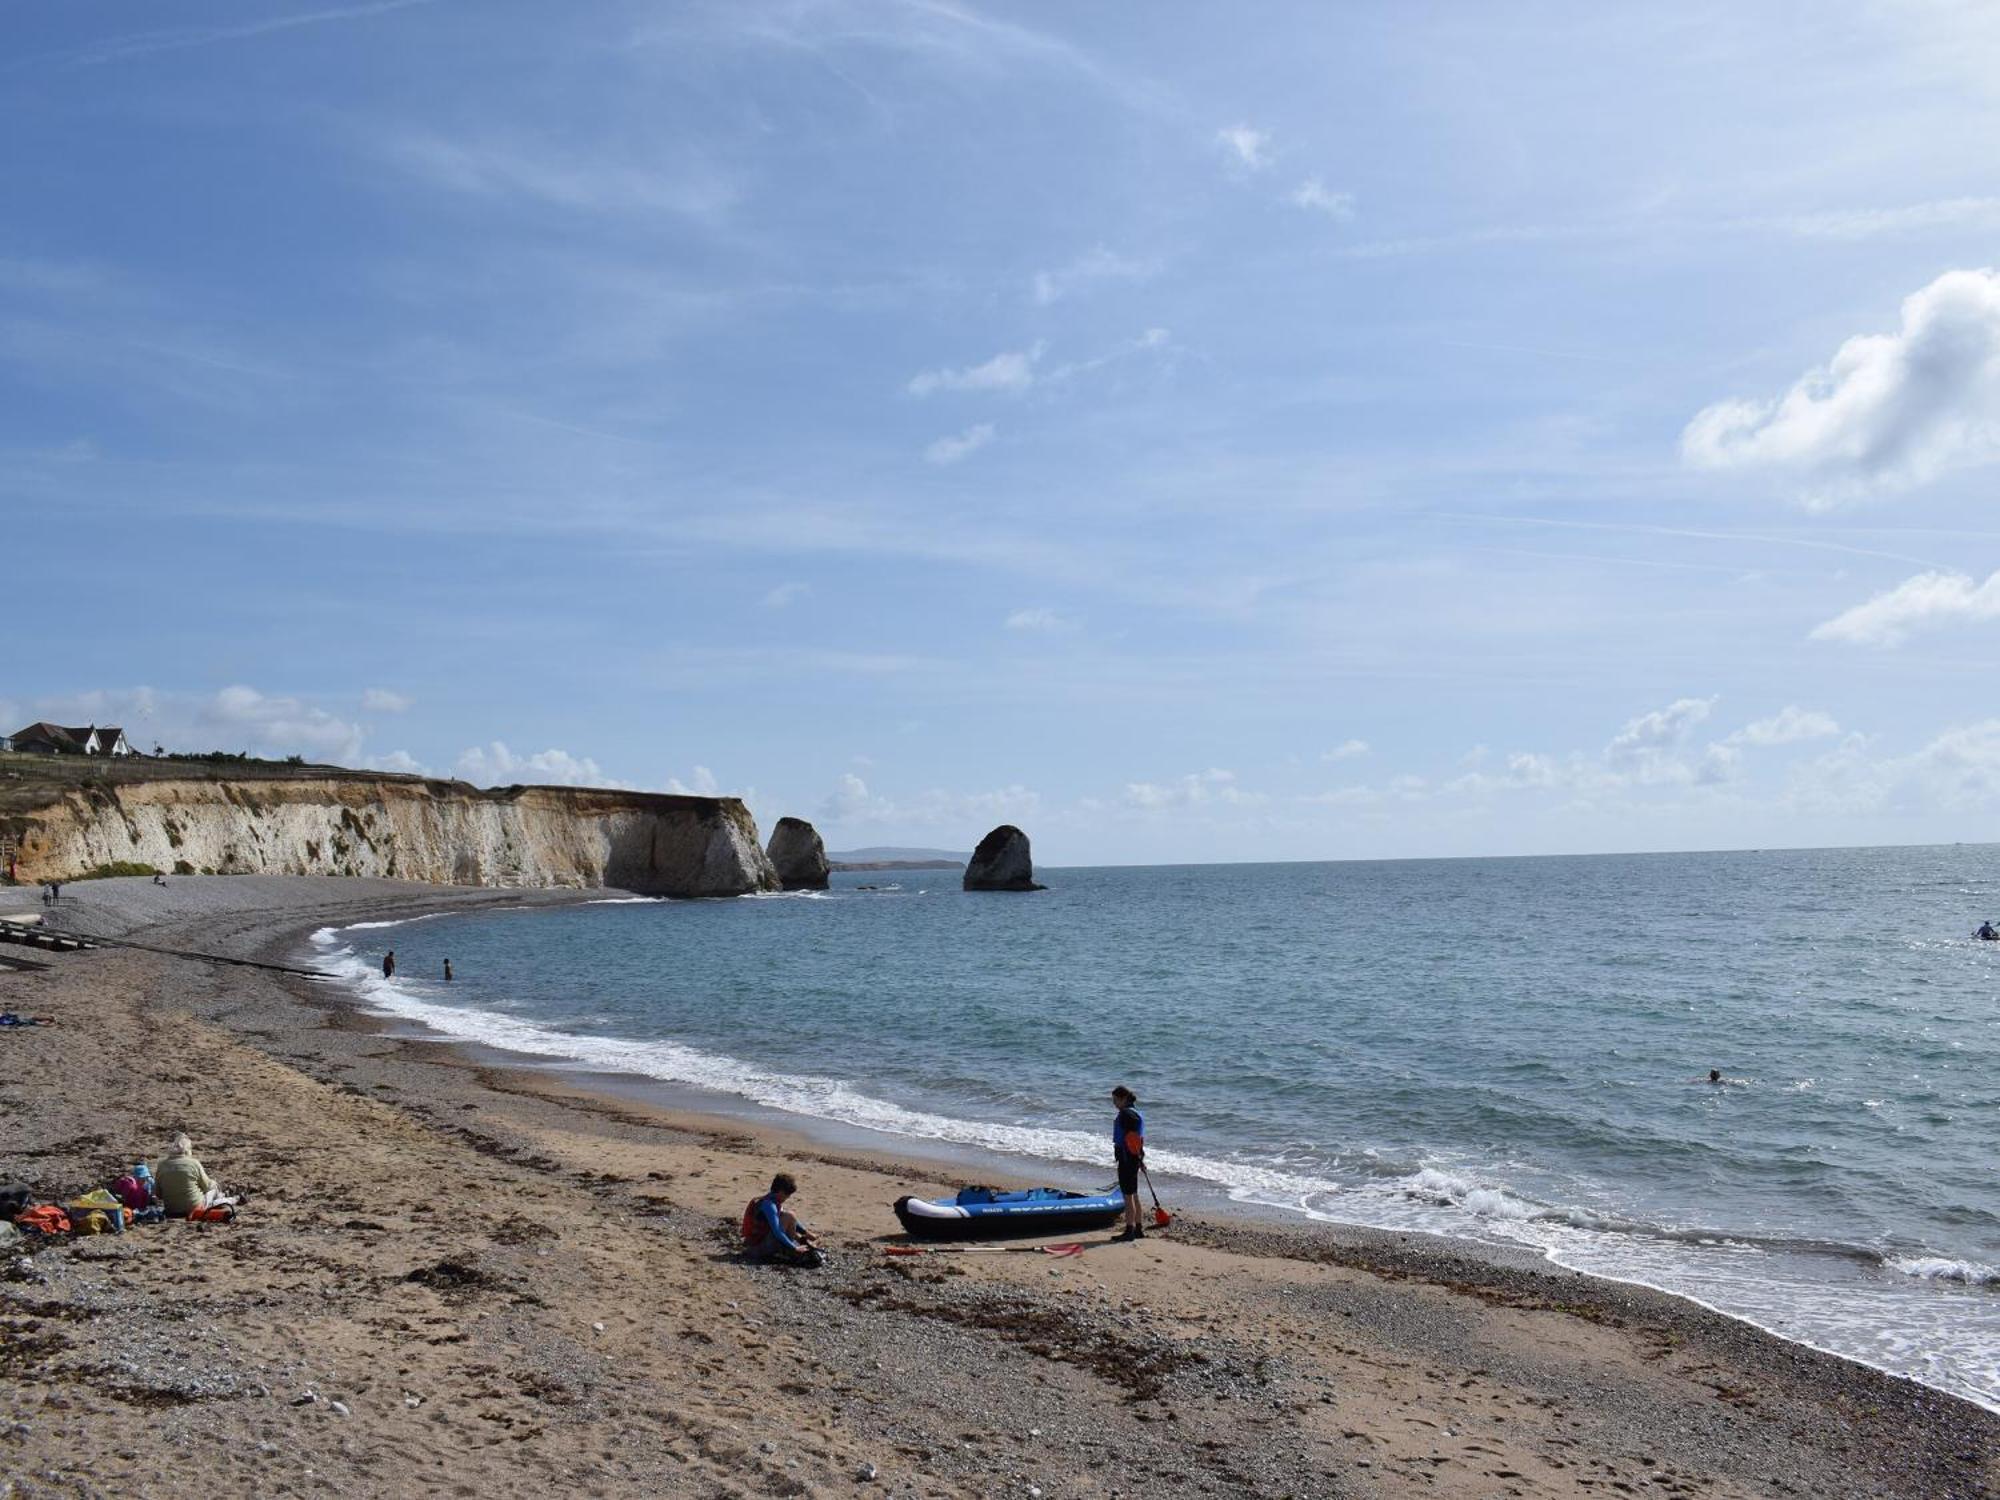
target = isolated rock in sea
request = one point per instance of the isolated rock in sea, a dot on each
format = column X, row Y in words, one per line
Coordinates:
column 798, row 855
column 1001, row 863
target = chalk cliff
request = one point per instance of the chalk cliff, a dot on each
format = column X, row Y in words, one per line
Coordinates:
column 402, row 827
column 1002, row 863
column 798, row 855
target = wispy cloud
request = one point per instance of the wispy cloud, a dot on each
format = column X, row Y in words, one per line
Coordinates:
column 685, row 185
column 137, row 44
column 1011, row 370
column 1869, row 223
column 957, row 446
column 1347, row 750
column 1246, row 146
column 1887, row 412
column 383, row 701
column 1098, row 264
column 1788, row 726
column 1041, row 621
column 1201, row 787
column 785, row 595
column 1316, row 196
column 1929, row 601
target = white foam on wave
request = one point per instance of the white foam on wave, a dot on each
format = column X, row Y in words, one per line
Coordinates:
column 625, row 901
column 1430, row 1199
column 1939, row 1268
column 393, row 922
column 796, row 1093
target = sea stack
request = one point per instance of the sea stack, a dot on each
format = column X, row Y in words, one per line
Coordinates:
column 1001, row 863
column 798, row 855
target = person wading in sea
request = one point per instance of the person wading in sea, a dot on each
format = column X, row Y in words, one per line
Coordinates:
column 1128, row 1149
column 389, row 964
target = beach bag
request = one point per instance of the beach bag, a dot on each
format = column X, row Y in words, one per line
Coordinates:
column 97, row 1212
column 218, row 1213
column 13, row 1198
column 43, row 1218
column 131, row 1192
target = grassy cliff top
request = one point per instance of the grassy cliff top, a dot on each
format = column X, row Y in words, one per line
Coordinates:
column 31, row 781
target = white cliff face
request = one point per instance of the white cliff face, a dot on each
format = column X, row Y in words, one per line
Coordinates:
column 444, row 832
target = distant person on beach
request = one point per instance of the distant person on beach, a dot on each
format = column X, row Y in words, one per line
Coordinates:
column 447, row 971
column 389, row 964
column 1128, row 1149
column 773, row 1232
column 1986, row 934
column 182, row 1183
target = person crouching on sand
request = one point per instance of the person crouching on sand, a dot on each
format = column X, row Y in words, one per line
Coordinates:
column 773, row 1232
column 183, row 1184
column 1128, row 1149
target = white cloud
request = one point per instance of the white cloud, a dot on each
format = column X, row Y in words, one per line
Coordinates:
column 1925, row 602
column 1044, row 621
column 1097, row 264
column 703, row 784
column 1788, row 726
column 786, row 594
column 383, row 701
column 966, row 814
column 1657, row 732
column 496, row 765
column 955, row 446
column 1887, row 412
column 1214, row 785
column 236, row 718
column 1011, row 370
column 399, row 761
column 1347, row 750
column 1958, row 770
column 1315, row 195
column 1250, row 147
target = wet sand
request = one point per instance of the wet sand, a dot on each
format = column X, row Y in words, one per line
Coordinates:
column 456, row 1278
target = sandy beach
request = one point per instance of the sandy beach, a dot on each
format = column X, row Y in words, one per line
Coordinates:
column 456, row 1278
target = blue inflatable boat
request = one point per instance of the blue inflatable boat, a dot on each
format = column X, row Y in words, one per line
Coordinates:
column 987, row 1213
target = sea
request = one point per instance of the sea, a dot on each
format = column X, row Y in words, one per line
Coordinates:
column 1512, row 1051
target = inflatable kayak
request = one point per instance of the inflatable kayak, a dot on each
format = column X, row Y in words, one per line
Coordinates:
column 982, row 1212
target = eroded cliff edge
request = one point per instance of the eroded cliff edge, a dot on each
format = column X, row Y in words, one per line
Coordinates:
column 406, row 828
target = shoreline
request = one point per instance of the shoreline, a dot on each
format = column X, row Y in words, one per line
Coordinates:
column 919, row 1154
column 1439, row 1316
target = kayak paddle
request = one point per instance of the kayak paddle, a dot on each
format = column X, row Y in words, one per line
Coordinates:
column 1161, row 1218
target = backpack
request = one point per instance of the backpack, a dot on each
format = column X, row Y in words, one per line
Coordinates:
column 753, row 1223
column 131, row 1192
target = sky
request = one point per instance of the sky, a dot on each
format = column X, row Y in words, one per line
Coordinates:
column 1190, row 433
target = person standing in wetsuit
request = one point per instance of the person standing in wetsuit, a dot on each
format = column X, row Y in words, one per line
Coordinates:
column 1128, row 1149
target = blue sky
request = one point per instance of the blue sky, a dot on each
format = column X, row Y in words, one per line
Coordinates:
column 1191, row 433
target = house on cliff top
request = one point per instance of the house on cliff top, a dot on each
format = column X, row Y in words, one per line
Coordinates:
column 59, row 739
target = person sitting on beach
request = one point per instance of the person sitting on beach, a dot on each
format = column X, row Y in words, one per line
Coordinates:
column 183, row 1184
column 772, row 1232
column 1128, row 1150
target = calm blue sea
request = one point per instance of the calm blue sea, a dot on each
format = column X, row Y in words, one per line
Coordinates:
column 1502, row 1049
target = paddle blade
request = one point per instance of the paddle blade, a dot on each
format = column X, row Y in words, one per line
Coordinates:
column 1161, row 1217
